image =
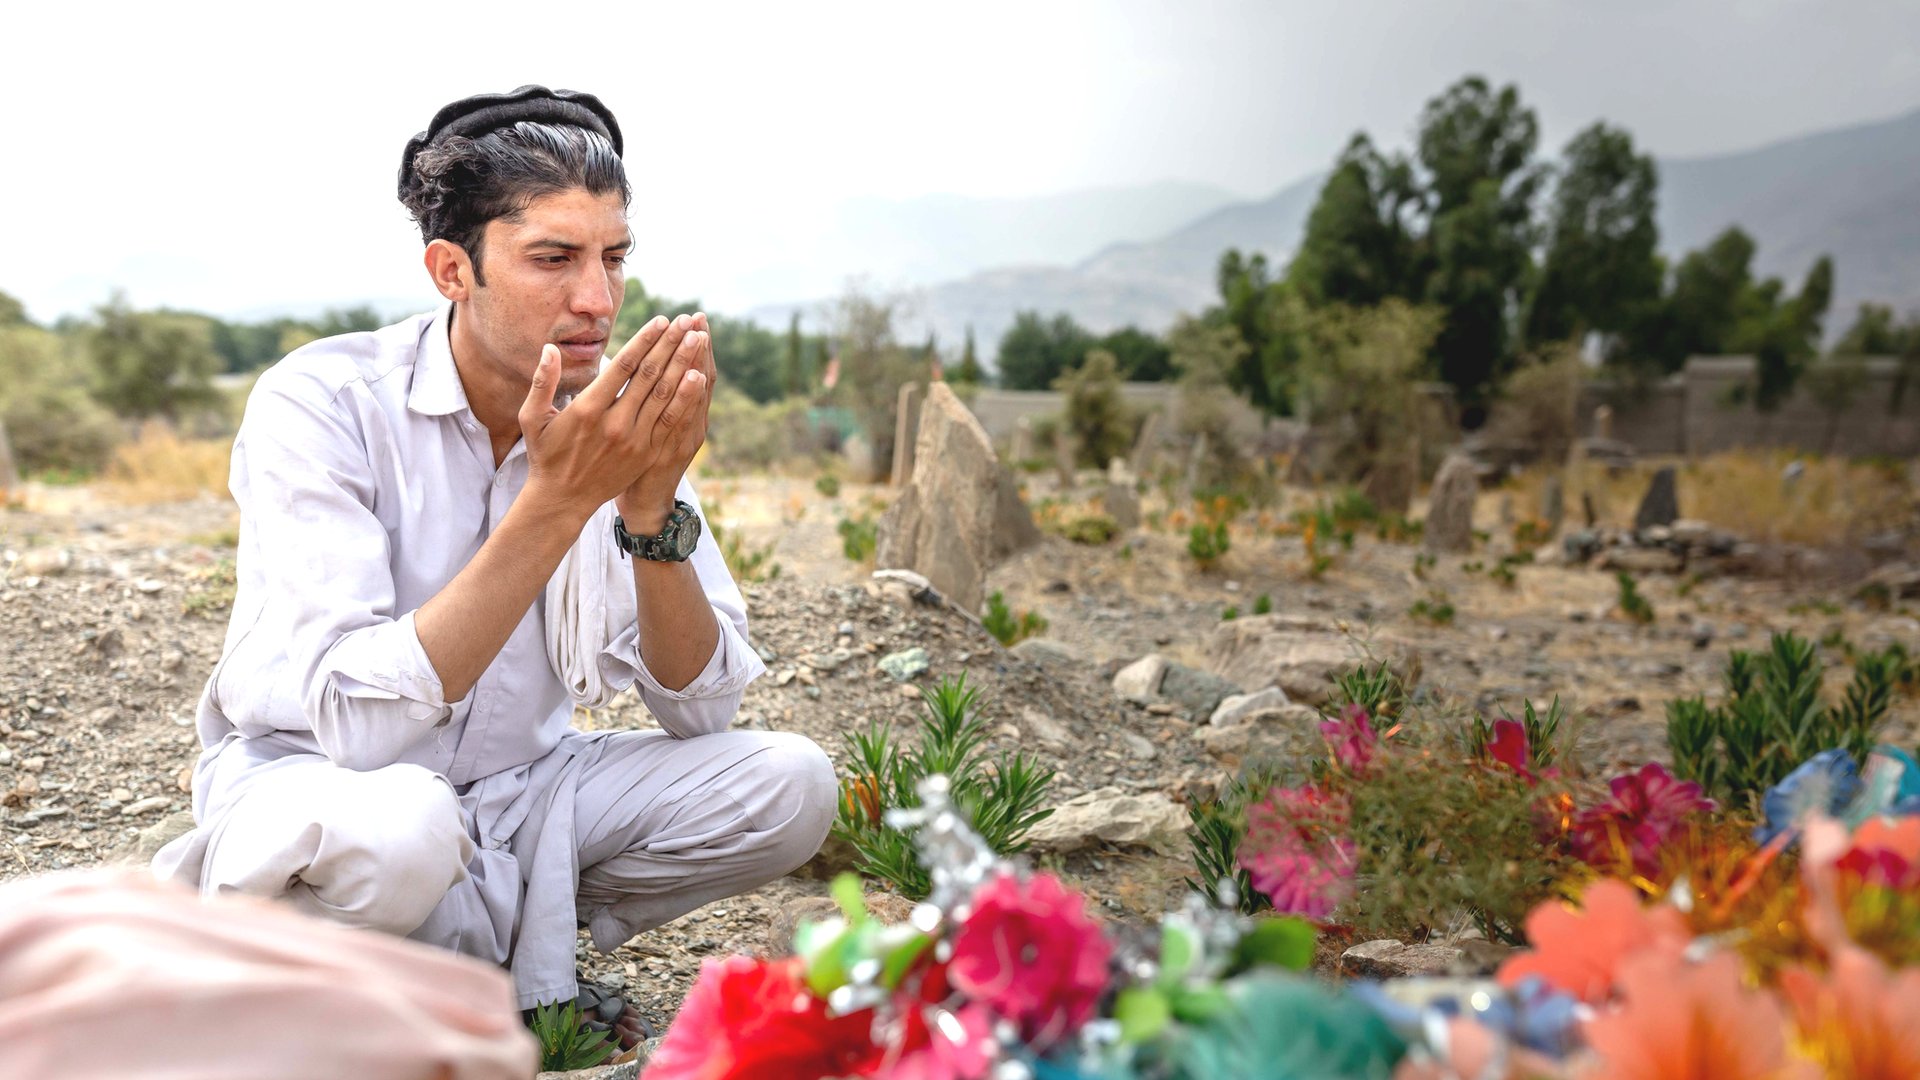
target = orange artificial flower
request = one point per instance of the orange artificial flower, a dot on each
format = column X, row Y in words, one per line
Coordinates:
column 1579, row 951
column 1860, row 1021
column 1683, row 1021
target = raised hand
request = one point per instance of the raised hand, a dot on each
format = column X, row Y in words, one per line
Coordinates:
column 679, row 421
column 612, row 434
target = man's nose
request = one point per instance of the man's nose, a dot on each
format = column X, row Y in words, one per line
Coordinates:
column 593, row 296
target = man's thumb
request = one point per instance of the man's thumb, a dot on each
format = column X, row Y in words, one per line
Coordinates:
column 545, row 379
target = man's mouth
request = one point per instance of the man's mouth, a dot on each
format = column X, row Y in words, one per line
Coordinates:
column 583, row 348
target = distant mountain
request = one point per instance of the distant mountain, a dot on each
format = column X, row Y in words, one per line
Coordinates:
column 1853, row 193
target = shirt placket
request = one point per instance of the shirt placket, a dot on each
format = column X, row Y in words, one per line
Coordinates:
column 487, row 690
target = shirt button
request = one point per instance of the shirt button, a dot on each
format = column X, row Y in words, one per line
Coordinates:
column 500, row 480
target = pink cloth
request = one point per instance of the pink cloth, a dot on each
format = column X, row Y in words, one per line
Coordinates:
column 111, row 974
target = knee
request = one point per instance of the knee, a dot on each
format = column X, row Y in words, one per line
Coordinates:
column 801, row 793
column 408, row 845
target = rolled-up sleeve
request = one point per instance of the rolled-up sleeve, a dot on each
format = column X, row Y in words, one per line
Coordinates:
column 709, row 702
column 303, row 480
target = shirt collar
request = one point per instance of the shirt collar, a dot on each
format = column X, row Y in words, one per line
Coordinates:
column 437, row 389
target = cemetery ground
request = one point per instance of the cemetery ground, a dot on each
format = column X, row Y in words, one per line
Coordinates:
column 113, row 613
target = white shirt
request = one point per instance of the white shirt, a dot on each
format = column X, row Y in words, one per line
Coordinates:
column 365, row 484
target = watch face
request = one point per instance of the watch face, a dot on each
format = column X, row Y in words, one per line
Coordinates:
column 686, row 537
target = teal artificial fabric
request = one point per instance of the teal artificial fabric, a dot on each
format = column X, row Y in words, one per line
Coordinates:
column 1281, row 1027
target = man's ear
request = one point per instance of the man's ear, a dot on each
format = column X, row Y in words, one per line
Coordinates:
column 450, row 269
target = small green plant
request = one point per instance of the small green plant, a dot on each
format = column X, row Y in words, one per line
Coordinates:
column 1503, row 573
column 1434, row 608
column 1772, row 720
column 747, row 563
column 1631, row 604
column 1422, row 565
column 1208, row 544
column 1002, row 797
column 1007, row 627
column 564, row 1044
column 827, row 484
column 1263, row 605
column 1217, row 827
column 218, row 585
column 1374, row 688
column 1091, row 529
column 1231, row 613
column 859, row 537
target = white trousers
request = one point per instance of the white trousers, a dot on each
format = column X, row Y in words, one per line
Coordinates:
column 620, row 831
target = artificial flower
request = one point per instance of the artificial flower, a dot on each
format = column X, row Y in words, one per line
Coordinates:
column 1296, row 853
column 1351, row 739
column 1579, row 951
column 747, row 1018
column 1028, row 951
column 1859, row 1021
column 1824, row 784
column 1644, row 809
column 1509, row 746
column 944, row 1044
column 1685, row 1021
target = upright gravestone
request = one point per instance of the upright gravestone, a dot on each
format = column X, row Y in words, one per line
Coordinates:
column 1146, row 448
column 9, row 475
column 1449, row 527
column 1121, row 500
column 1553, row 504
column 1661, row 504
column 1196, row 466
column 1022, row 442
column 1063, row 457
column 906, row 424
column 1603, row 422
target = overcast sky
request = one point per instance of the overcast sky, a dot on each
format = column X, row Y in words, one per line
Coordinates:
column 240, row 158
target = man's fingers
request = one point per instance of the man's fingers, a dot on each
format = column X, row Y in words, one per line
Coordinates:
column 668, row 385
column 709, row 364
column 546, row 377
column 654, row 366
column 685, row 402
column 605, row 387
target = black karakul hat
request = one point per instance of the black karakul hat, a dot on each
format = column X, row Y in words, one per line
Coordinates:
column 481, row 113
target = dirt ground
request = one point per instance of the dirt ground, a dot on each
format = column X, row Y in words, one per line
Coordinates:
column 112, row 616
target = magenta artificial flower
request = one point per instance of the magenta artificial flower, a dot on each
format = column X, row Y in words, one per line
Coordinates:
column 1643, row 811
column 1029, row 952
column 1351, row 739
column 1296, row 851
column 1509, row 746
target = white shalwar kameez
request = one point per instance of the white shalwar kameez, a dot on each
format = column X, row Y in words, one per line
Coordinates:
column 337, row 777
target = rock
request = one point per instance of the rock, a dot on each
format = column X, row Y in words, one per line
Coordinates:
column 1900, row 581
column 827, row 661
column 628, row 1070
column 1048, row 653
column 905, row 664
column 1287, row 734
column 1237, row 707
column 1112, row 816
column 1139, row 747
column 1122, row 504
column 1200, row 692
column 1553, row 504
column 145, row 806
column 1636, row 560
column 1140, row 681
column 1300, row 655
column 959, row 512
column 1045, row 728
column 1390, row 959
column 45, row 562
column 1581, row 545
column 1661, row 504
column 141, row 849
column 890, row 909
column 1449, row 526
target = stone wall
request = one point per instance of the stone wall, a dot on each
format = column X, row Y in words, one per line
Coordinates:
column 999, row 410
column 1701, row 411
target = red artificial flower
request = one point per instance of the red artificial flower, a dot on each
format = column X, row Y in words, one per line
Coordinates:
column 747, row 1018
column 1297, row 853
column 1351, row 739
column 1644, row 810
column 1029, row 952
column 1509, row 747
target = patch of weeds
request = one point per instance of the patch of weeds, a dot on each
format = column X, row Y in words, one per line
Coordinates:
column 1217, row 826
column 827, row 484
column 1090, row 529
column 1434, row 608
column 1231, row 613
column 1531, row 533
column 1263, row 605
column 859, row 537
column 564, row 1044
column 747, row 563
column 218, row 584
column 1631, row 604
column 1503, row 571
column 1835, row 639
column 222, row 538
column 1005, row 626
column 1689, row 584
column 1001, row 797
column 1208, row 544
column 1423, row 564
column 1875, row 596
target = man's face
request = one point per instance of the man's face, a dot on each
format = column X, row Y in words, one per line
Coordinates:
column 556, row 274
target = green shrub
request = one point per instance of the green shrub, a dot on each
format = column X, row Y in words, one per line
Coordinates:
column 1231, row 613
column 1435, row 608
column 1091, row 529
column 1263, row 605
column 564, row 1044
column 1001, row 797
column 1005, row 626
column 859, row 537
column 54, row 426
column 1208, row 544
column 1631, row 604
column 1101, row 423
column 827, row 484
column 1772, row 720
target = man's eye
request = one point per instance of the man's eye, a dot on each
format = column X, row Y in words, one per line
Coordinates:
column 551, row 260
column 617, row 260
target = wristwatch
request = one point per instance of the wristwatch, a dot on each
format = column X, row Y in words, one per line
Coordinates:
column 675, row 542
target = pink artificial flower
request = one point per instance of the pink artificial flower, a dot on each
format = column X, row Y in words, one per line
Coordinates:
column 1644, row 810
column 747, row 1019
column 945, row 1044
column 1509, row 747
column 1296, row 853
column 1351, row 739
column 1029, row 952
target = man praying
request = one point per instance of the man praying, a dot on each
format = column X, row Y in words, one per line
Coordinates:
column 454, row 530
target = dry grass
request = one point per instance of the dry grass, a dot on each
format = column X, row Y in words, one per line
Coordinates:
column 1833, row 501
column 160, row 466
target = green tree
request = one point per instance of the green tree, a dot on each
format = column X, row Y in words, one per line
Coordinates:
column 150, row 363
column 1876, row 332
column 795, row 378
column 1477, row 148
column 1142, row 356
column 1205, row 354
column 873, row 365
column 49, row 417
column 969, row 372
column 1360, row 383
column 1601, row 271
column 1360, row 246
column 12, row 311
column 1102, row 425
column 1035, row 351
column 1703, row 305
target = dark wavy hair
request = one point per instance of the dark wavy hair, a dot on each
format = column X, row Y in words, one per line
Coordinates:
column 458, row 184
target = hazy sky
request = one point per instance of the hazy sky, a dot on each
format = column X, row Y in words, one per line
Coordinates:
column 239, row 158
